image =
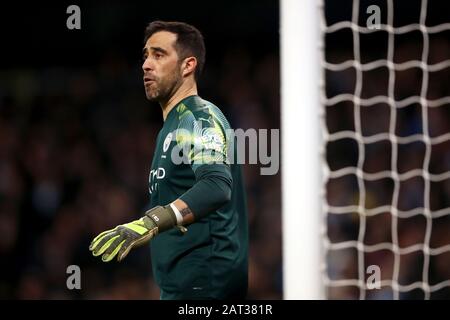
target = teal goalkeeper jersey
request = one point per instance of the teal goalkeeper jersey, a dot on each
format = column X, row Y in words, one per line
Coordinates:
column 210, row 260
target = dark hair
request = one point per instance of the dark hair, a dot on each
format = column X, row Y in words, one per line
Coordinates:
column 189, row 40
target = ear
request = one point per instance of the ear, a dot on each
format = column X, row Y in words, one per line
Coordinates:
column 188, row 66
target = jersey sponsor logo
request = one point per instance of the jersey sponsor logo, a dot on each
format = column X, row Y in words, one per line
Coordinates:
column 153, row 177
column 167, row 141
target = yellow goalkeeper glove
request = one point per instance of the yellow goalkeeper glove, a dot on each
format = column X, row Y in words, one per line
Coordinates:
column 120, row 240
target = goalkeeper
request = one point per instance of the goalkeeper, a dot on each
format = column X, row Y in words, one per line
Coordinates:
column 197, row 227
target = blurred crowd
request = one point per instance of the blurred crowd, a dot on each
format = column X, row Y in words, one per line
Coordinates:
column 76, row 146
column 403, row 230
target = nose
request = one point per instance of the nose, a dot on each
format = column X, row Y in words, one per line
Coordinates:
column 147, row 65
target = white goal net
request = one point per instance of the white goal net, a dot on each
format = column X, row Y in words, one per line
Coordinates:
column 387, row 178
column 383, row 112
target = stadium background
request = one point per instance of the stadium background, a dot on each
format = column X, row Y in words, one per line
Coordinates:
column 77, row 137
column 76, row 140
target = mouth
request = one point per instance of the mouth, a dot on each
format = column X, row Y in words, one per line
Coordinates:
column 149, row 80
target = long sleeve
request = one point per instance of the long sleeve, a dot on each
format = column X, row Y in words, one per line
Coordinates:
column 211, row 191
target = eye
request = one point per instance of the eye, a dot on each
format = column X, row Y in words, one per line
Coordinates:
column 157, row 55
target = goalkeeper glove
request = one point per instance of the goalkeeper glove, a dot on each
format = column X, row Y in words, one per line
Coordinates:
column 120, row 240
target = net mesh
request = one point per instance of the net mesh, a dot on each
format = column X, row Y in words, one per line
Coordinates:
column 386, row 155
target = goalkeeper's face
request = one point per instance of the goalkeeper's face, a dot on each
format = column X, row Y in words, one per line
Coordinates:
column 162, row 70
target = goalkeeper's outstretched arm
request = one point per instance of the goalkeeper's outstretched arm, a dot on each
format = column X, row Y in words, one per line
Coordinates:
column 213, row 180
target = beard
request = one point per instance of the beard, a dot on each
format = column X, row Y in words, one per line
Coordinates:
column 163, row 88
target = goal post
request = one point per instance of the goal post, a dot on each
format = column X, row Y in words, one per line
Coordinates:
column 300, row 127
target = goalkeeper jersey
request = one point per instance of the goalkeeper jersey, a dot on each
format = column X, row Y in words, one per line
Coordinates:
column 192, row 161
